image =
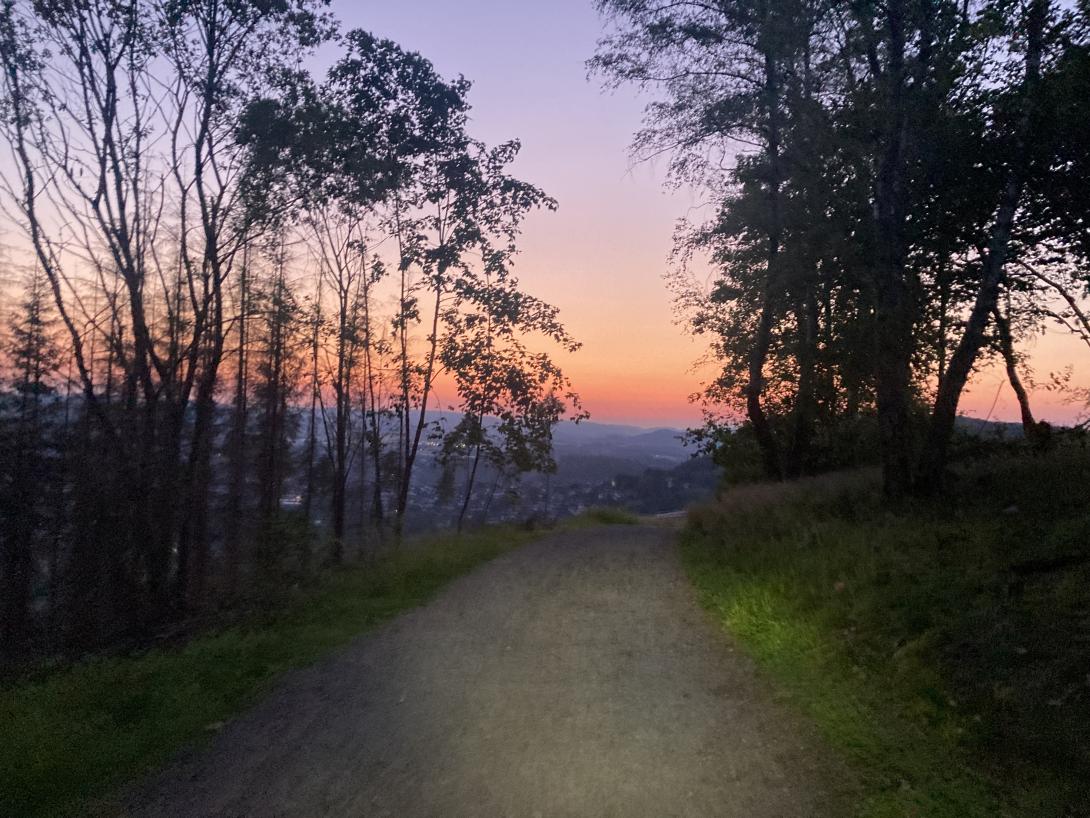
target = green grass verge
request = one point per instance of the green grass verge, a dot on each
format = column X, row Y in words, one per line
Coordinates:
column 601, row 515
column 941, row 648
column 72, row 737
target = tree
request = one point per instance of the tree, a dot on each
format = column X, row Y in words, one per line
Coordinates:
column 122, row 120
column 278, row 369
column 855, row 225
column 726, row 70
column 237, row 435
column 173, row 165
column 342, row 259
column 27, row 437
column 993, row 263
column 509, row 398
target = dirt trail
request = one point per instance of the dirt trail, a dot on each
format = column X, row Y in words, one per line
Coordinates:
column 574, row 676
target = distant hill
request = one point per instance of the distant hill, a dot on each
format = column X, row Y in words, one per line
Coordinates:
column 590, row 452
column 988, row 428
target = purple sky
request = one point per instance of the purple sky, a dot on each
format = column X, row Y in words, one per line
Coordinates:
column 602, row 256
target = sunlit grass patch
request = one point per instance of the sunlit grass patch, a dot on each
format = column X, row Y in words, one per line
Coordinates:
column 909, row 637
column 74, row 735
column 794, row 648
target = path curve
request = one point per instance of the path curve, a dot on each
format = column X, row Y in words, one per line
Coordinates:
column 573, row 676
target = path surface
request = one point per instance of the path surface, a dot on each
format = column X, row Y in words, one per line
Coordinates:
column 574, row 676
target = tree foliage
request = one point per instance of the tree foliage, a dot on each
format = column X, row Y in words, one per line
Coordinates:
column 890, row 178
column 248, row 285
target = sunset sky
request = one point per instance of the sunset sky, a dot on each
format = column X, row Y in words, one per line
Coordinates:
column 602, row 256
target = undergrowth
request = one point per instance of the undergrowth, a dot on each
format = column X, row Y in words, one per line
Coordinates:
column 942, row 647
column 71, row 737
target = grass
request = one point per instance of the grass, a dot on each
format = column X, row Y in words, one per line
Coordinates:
column 72, row 737
column 601, row 515
column 942, row 648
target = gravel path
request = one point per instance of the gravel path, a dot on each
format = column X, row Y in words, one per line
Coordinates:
column 573, row 676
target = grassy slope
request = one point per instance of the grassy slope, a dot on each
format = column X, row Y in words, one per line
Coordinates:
column 954, row 682
column 601, row 515
column 73, row 736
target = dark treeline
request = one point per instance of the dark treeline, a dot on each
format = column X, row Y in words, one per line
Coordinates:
column 234, row 290
column 902, row 195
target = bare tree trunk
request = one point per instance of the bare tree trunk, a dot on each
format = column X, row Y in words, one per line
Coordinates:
column 413, row 446
column 312, row 425
column 270, row 471
column 944, row 413
column 492, row 494
column 341, row 250
column 762, row 339
column 470, row 480
column 894, row 312
column 193, row 546
column 375, row 447
column 944, row 321
column 762, row 429
column 237, row 445
column 340, row 480
column 806, row 318
column 1006, row 347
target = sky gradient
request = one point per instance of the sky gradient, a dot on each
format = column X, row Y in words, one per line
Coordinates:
column 601, row 257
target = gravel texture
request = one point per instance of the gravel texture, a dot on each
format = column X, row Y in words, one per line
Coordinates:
column 573, row 676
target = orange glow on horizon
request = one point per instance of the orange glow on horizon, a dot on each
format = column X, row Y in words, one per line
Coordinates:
column 601, row 257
